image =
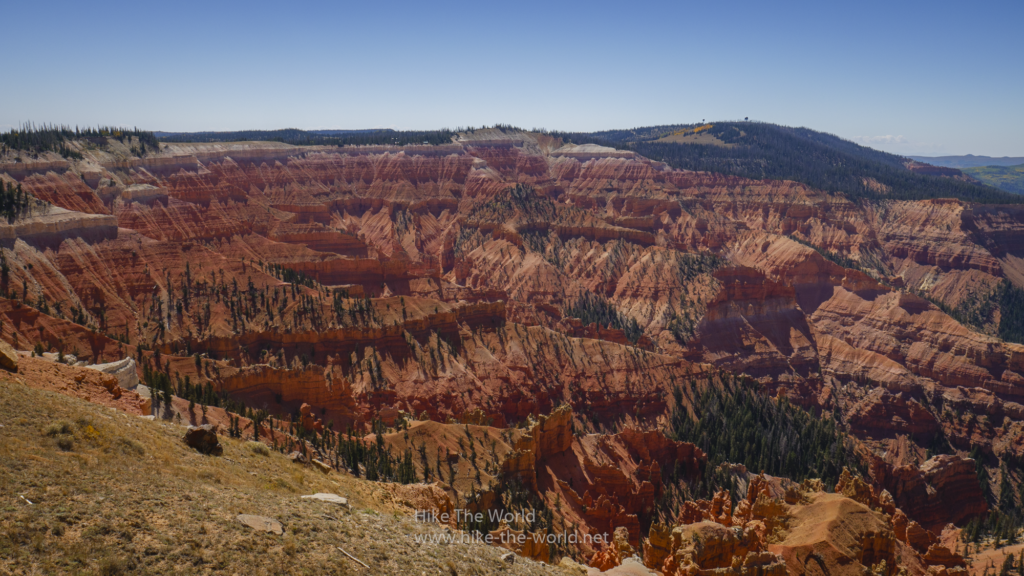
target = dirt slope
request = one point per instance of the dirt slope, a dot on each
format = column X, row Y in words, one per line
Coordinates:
column 128, row 496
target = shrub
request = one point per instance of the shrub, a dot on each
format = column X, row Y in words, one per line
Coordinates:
column 130, row 447
column 290, row 548
column 66, row 442
column 259, row 448
column 209, row 476
column 112, row 566
column 60, row 427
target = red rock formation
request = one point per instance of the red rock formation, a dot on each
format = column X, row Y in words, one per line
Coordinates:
column 707, row 546
column 806, row 531
column 606, row 558
column 308, row 420
column 943, row 490
column 881, row 414
column 79, row 382
column 320, row 238
column 179, row 221
column 604, row 482
column 469, row 292
column 754, row 326
column 66, row 190
column 833, row 531
column 284, row 391
column 595, row 484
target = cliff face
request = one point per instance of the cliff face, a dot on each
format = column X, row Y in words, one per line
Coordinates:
column 443, row 281
column 941, row 491
column 755, row 326
column 887, row 358
column 48, row 227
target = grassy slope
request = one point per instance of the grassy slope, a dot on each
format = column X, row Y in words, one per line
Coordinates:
column 131, row 497
column 1009, row 178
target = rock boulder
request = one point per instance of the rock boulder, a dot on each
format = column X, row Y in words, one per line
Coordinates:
column 261, row 523
column 204, row 439
column 329, row 498
column 8, row 357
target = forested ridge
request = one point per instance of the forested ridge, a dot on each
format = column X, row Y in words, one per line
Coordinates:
column 769, row 151
column 748, row 149
column 55, row 138
column 298, row 137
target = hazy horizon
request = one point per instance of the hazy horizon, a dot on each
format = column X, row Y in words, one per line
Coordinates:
column 915, row 79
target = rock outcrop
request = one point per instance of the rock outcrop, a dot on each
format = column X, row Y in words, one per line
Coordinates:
column 55, row 225
column 834, row 531
column 204, row 439
column 80, row 382
column 261, row 523
column 941, row 491
column 8, row 357
column 124, row 371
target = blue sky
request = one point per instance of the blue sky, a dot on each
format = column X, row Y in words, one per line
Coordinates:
column 912, row 78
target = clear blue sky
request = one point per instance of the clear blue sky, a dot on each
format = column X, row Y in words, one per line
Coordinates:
column 913, row 78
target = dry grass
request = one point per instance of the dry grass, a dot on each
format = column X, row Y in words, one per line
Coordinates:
column 258, row 448
column 700, row 138
column 113, row 494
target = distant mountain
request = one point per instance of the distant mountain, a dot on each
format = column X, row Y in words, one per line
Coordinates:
column 968, row 161
column 1009, row 178
column 769, row 151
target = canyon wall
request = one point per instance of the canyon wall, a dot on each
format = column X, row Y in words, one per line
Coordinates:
column 502, row 276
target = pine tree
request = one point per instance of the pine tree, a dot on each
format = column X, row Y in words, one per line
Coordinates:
column 1006, row 502
column 425, row 462
column 452, row 469
column 407, row 470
